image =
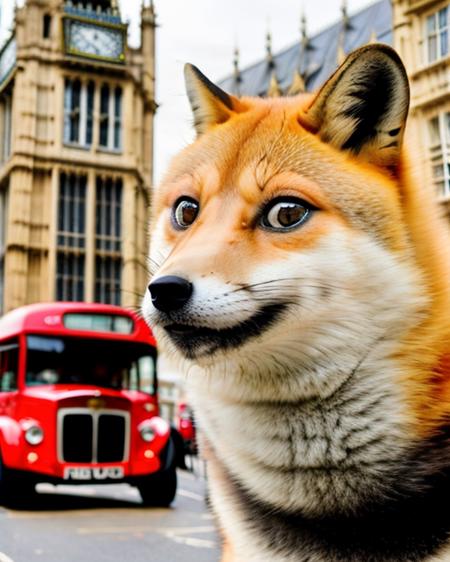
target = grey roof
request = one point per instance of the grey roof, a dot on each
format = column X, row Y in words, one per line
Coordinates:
column 319, row 60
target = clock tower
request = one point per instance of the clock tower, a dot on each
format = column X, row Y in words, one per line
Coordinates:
column 76, row 149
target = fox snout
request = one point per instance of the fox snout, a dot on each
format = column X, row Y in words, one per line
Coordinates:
column 203, row 315
column 170, row 292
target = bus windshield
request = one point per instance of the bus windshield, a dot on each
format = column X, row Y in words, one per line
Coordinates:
column 121, row 365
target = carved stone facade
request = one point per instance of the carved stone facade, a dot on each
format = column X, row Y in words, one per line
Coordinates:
column 76, row 154
column 421, row 31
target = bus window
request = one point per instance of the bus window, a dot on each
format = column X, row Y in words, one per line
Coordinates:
column 104, row 363
column 147, row 374
column 134, row 382
column 9, row 359
column 142, row 373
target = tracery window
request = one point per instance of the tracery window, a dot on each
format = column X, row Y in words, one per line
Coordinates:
column 79, row 114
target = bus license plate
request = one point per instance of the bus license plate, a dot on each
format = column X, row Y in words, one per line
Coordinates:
column 93, row 473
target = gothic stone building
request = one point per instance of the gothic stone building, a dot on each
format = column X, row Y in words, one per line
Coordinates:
column 419, row 30
column 76, row 130
column 422, row 38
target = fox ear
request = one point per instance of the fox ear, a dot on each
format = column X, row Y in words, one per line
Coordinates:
column 362, row 108
column 210, row 105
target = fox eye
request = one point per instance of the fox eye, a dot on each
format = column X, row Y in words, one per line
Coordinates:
column 184, row 212
column 285, row 214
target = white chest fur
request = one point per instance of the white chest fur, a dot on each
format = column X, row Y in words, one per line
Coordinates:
column 313, row 408
column 311, row 455
column 310, row 415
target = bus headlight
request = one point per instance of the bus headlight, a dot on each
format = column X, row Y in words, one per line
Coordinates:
column 34, row 435
column 147, row 433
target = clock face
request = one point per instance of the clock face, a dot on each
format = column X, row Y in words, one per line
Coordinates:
column 95, row 41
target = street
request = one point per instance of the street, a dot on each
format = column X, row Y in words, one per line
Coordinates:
column 106, row 523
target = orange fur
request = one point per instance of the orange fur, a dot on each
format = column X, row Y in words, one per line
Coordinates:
column 242, row 141
column 251, row 151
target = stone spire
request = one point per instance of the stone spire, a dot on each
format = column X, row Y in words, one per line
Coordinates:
column 115, row 7
column 346, row 25
column 148, row 4
column 274, row 90
column 297, row 85
column 236, row 71
column 269, row 54
column 304, row 31
column 148, row 15
column 340, row 49
column 345, row 18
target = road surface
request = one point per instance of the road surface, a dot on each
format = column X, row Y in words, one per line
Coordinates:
column 107, row 523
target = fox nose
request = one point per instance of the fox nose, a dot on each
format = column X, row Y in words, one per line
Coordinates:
column 170, row 292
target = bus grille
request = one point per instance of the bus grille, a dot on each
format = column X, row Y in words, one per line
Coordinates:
column 87, row 436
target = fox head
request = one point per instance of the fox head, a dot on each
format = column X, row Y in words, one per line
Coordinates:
column 286, row 244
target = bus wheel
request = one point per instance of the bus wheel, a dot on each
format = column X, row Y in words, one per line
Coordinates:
column 19, row 493
column 159, row 489
column 13, row 490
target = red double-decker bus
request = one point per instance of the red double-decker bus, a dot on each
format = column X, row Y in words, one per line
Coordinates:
column 78, row 401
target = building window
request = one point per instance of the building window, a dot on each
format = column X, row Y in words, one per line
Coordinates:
column 5, row 127
column 72, row 211
column 437, row 35
column 107, row 279
column 439, row 144
column 110, row 118
column 70, row 277
column 108, row 215
column 3, row 219
column 104, row 115
column 117, row 118
column 78, row 112
column 72, row 111
column 46, row 26
column 108, row 243
column 90, row 113
column 79, row 123
column 71, row 237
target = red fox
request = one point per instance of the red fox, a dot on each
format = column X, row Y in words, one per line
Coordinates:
column 301, row 280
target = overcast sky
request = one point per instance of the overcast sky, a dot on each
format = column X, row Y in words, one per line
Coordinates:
column 205, row 32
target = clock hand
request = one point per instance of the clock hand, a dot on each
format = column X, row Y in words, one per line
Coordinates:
column 93, row 47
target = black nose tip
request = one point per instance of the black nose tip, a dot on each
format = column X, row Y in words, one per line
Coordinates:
column 170, row 292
